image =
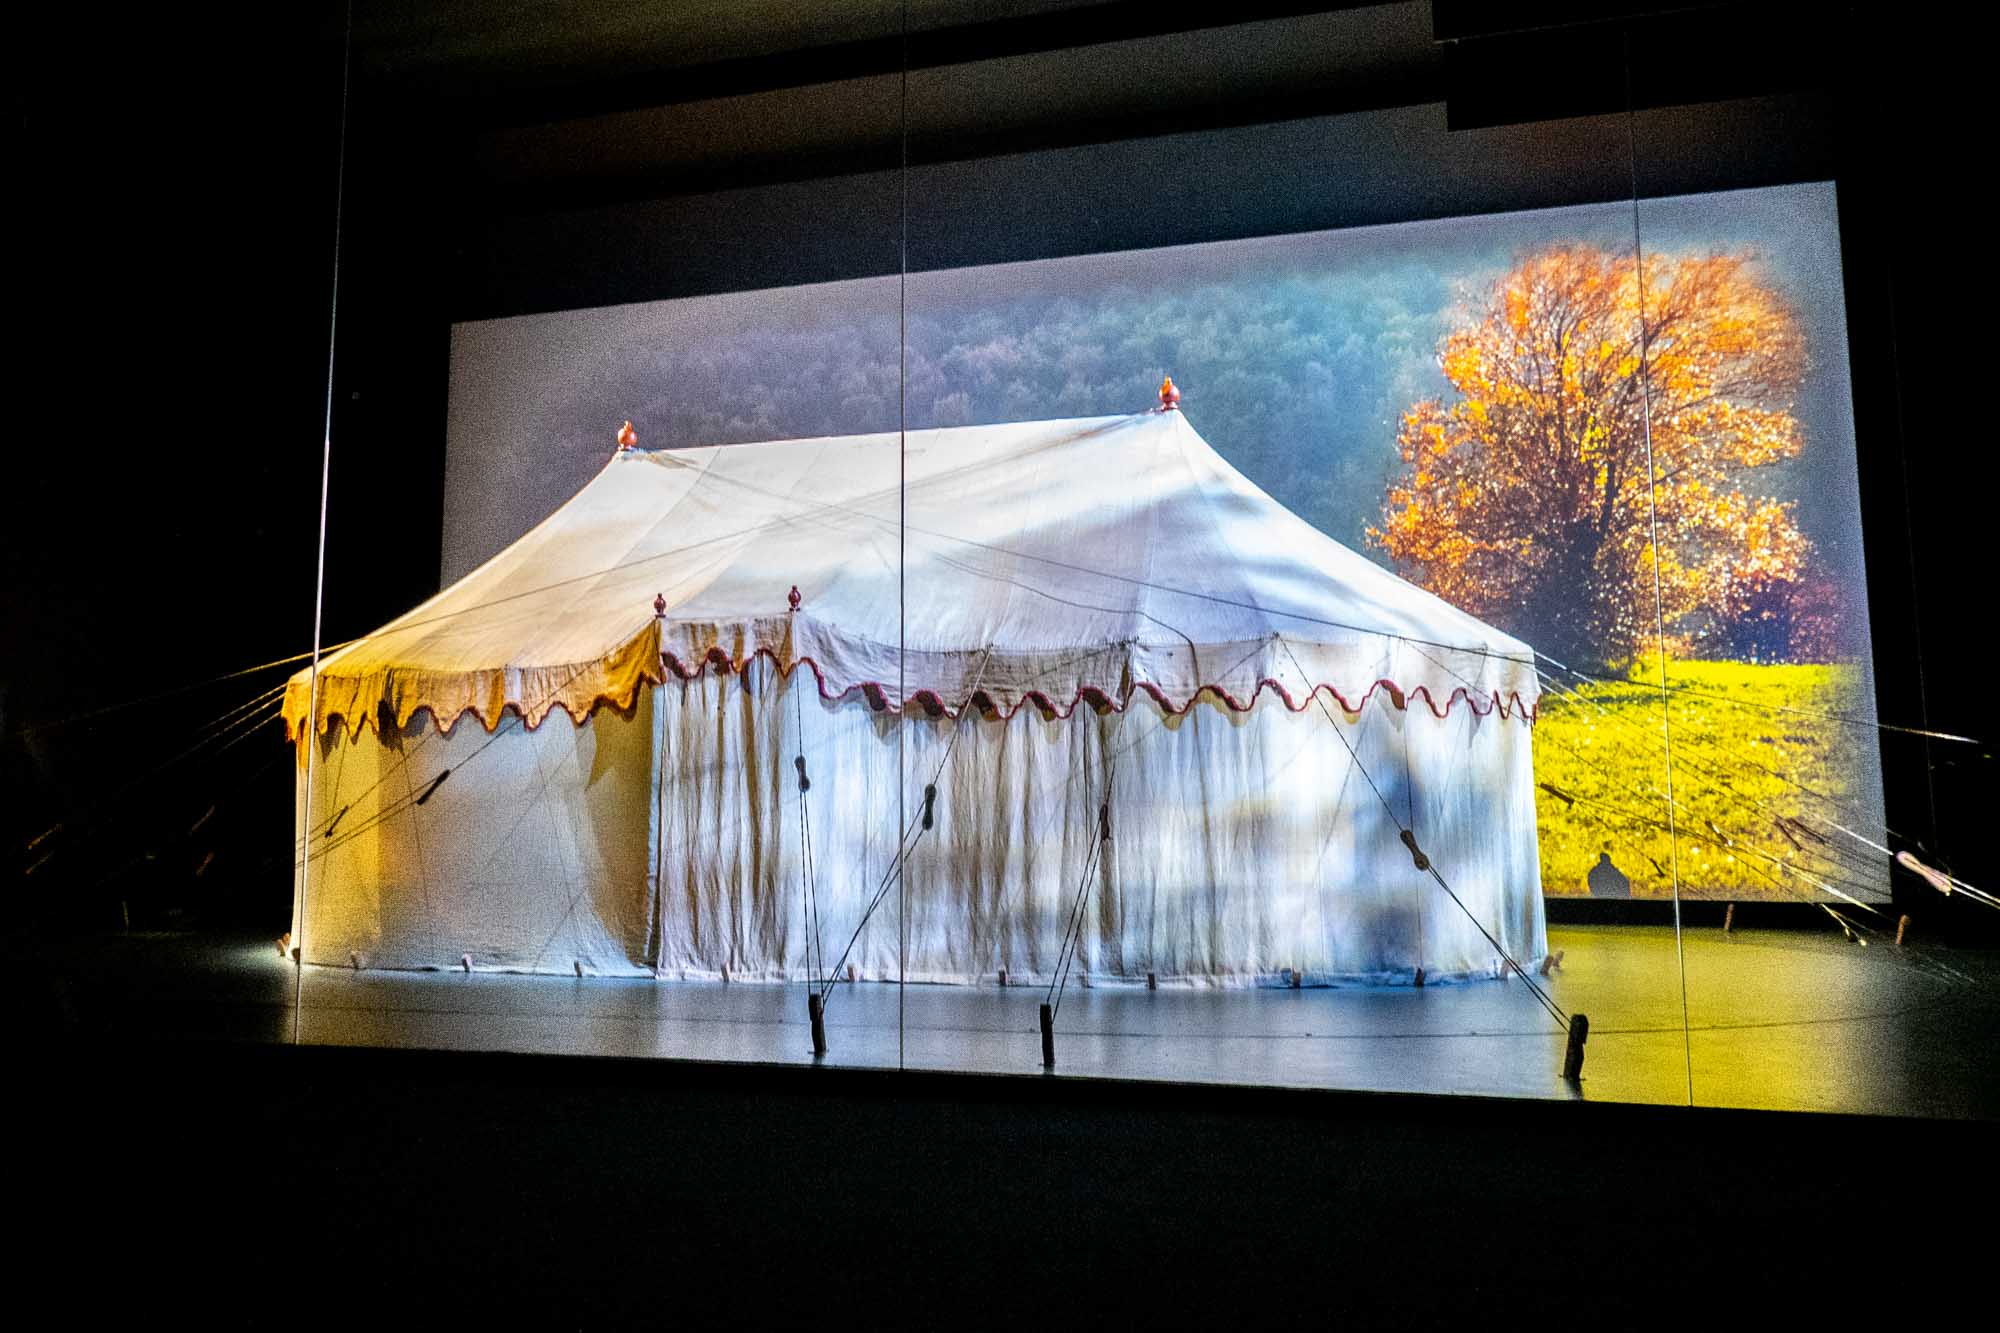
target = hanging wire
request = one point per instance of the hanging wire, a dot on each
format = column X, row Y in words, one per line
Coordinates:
column 215, row 737
column 74, row 718
column 325, row 491
column 903, row 512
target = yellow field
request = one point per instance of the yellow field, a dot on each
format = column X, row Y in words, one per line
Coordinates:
column 1737, row 772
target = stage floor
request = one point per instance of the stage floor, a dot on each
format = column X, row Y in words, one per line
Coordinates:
column 1783, row 1020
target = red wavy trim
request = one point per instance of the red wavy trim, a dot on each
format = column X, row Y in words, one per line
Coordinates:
column 1103, row 701
column 934, row 704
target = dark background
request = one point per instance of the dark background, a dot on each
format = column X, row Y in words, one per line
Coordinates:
column 173, row 236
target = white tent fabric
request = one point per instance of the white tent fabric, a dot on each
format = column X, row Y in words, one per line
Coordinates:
column 1118, row 562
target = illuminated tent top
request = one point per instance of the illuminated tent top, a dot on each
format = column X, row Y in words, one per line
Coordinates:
column 1049, row 562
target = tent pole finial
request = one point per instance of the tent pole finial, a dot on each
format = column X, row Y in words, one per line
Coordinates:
column 627, row 437
column 1170, row 395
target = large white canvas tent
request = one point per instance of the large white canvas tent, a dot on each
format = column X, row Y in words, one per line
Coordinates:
column 585, row 754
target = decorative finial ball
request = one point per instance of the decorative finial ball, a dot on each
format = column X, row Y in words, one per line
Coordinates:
column 659, row 604
column 627, row 437
column 1170, row 396
column 793, row 597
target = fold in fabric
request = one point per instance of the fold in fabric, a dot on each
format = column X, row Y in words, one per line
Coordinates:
column 1043, row 565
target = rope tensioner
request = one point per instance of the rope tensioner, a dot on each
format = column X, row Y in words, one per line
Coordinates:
column 1417, row 856
column 799, row 762
column 1937, row 879
column 816, row 1017
column 930, row 802
column 1579, row 1033
column 431, row 790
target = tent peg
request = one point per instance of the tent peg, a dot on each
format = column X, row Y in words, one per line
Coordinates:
column 1729, row 918
column 1420, row 978
column 1152, row 981
column 816, row 1015
column 1048, row 1037
column 465, row 962
column 1003, row 976
column 1902, row 925
column 1579, row 1033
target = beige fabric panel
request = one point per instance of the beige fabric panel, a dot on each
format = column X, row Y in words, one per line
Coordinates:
column 1035, row 563
column 536, row 854
column 1244, row 844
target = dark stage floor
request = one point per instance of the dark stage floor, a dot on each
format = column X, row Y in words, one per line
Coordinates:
column 1777, row 1019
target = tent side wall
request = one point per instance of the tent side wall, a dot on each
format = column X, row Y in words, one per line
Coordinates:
column 535, row 855
column 1246, row 845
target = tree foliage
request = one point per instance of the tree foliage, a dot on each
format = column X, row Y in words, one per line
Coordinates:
column 1528, row 501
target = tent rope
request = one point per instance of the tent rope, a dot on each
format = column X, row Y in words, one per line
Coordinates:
column 1708, row 778
column 1073, row 929
column 1677, row 805
column 809, row 886
column 1575, row 694
column 1422, row 861
column 914, row 832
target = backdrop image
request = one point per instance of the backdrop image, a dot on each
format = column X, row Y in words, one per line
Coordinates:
column 1630, row 449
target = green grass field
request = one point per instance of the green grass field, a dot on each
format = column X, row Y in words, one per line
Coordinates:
column 1737, row 769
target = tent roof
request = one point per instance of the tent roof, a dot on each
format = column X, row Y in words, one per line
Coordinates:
column 1046, row 562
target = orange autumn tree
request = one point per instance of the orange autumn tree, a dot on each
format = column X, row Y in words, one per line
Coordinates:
column 1526, row 501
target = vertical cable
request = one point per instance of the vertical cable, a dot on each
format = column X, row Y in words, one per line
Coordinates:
column 1916, row 583
column 1659, row 604
column 309, row 733
column 660, row 826
column 1410, row 792
column 903, row 521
